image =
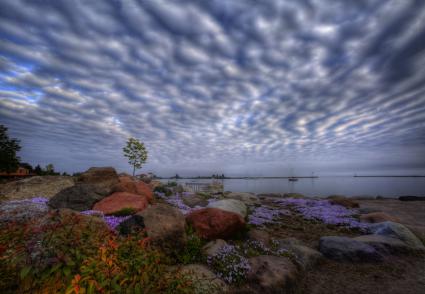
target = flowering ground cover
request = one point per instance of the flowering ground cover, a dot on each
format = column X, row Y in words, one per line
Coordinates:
column 324, row 211
column 263, row 215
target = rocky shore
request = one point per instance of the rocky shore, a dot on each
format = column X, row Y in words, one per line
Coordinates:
column 214, row 241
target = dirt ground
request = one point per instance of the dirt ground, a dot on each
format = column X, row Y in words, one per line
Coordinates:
column 401, row 274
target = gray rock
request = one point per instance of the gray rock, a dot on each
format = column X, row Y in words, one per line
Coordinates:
column 166, row 226
column 204, row 280
column 305, row 256
column 21, row 210
column 396, row 230
column 102, row 179
column 247, row 198
column 347, row 249
column 272, row 274
column 46, row 186
column 79, row 197
column 212, row 247
column 384, row 244
column 231, row 205
column 193, row 200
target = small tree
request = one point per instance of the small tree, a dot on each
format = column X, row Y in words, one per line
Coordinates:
column 136, row 153
column 9, row 161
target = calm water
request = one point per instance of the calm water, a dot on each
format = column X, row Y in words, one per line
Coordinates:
column 324, row 186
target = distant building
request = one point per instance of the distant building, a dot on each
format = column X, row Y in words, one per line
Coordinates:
column 20, row 172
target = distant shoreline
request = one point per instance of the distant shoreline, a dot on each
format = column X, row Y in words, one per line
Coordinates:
column 417, row 176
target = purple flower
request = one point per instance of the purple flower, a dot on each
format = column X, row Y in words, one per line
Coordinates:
column 265, row 215
column 323, row 210
column 229, row 265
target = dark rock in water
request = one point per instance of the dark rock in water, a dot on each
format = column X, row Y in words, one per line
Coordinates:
column 411, row 198
column 102, row 179
column 347, row 249
column 79, row 197
column 132, row 225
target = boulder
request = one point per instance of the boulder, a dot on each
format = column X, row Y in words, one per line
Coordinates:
column 212, row 247
column 396, row 230
column 22, row 210
column 79, row 197
column 165, row 226
column 46, row 186
column 120, row 200
column 347, row 249
column 133, row 187
column 203, row 279
column 272, row 274
column 132, row 225
column 214, row 223
column 102, row 179
column 384, row 244
column 305, row 256
column 193, row 200
column 231, row 205
column 247, row 198
column 260, row 236
column 377, row 217
column 343, row 201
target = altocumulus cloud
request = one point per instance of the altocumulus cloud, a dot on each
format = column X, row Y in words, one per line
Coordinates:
column 240, row 86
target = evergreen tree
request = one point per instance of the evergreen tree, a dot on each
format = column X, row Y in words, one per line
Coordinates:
column 9, row 161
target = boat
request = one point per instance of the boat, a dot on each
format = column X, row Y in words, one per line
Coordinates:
column 292, row 179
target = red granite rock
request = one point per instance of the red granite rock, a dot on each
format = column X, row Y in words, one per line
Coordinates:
column 214, row 223
column 120, row 200
column 130, row 186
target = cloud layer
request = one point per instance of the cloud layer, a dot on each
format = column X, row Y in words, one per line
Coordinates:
column 244, row 87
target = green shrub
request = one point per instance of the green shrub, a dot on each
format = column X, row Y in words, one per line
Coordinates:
column 192, row 252
column 66, row 252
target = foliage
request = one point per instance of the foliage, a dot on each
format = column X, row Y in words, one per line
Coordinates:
column 229, row 264
column 172, row 184
column 192, row 252
column 136, row 153
column 9, row 161
column 164, row 190
column 67, row 252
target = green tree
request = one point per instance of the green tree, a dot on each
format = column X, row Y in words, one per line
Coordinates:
column 9, row 161
column 50, row 169
column 136, row 153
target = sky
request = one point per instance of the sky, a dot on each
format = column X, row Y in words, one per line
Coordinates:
column 240, row 87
